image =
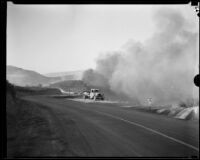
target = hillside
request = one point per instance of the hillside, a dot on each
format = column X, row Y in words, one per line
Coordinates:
column 32, row 129
column 22, row 77
column 70, row 85
column 25, row 91
column 70, row 75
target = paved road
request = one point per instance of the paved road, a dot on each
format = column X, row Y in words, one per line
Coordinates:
column 111, row 130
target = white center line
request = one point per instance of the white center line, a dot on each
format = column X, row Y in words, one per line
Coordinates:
column 149, row 129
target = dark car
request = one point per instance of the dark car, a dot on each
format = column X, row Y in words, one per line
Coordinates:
column 99, row 96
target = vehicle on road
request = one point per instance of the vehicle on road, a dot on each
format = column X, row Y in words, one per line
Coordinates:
column 86, row 94
column 93, row 94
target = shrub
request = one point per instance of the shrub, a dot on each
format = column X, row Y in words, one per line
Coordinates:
column 10, row 88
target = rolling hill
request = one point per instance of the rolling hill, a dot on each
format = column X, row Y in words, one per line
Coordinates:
column 70, row 75
column 67, row 81
column 70, row 85
column 22, row 77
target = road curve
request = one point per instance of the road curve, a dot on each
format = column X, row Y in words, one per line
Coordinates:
column 110, row 130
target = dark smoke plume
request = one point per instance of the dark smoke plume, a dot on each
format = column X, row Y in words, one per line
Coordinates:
column 162, row 68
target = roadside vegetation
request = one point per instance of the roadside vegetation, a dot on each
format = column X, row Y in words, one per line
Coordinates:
column 29, row 132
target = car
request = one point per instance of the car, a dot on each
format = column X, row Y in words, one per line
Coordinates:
column 95, row 94
column 99, row 96
column 86, row 94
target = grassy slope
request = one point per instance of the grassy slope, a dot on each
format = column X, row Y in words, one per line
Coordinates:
column 30, row 129
column 24, row 77
column 71, row 85
column 25, row 127
column 24, row 91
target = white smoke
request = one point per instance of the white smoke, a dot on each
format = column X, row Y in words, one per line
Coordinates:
column 162, row 68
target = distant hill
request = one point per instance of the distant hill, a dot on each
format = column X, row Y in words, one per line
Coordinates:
column 70, row 85
column 22, row 77
column 71, row 75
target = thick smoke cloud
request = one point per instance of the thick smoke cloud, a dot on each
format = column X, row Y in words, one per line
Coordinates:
column 93, row 78
column 161, row 68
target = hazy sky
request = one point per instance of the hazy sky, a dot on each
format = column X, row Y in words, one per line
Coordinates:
column 51, row 38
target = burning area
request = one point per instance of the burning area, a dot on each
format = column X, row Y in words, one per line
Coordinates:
column 161, row 68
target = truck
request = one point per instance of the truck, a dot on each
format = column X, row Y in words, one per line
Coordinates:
column 93, row 94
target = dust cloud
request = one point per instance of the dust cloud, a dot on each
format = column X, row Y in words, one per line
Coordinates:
column 161, row 68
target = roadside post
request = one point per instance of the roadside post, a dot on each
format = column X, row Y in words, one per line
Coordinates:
column 149, row 102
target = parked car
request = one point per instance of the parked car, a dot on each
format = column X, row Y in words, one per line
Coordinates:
column 93, row 94
column 86, row 94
